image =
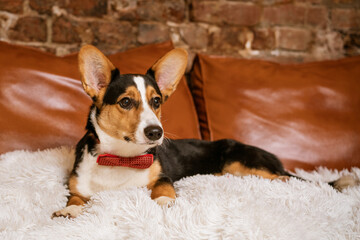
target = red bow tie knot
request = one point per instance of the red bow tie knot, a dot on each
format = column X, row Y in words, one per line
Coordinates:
column 139, row 162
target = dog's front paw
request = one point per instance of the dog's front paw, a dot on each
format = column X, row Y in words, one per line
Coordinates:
column 71, row 211
column 165, row 201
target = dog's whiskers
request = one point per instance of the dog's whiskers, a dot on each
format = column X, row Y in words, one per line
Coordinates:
column 171, row 135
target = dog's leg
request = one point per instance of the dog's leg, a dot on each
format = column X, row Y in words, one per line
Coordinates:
column 242, row 160
column 238, row 169
column 75, row 202
column 162, row 191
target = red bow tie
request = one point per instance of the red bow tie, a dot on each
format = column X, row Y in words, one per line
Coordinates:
column 139, row 162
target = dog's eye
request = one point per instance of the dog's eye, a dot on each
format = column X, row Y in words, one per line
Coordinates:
column 125, row 103
column 156, row 101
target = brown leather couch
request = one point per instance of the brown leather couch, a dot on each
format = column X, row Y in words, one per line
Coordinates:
column 307, row 114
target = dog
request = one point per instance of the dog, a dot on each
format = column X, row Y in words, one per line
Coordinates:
column 123, row 146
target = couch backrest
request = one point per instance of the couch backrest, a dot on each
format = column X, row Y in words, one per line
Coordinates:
column 307, row 114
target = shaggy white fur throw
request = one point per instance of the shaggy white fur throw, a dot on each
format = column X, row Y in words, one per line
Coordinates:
column 207, row 207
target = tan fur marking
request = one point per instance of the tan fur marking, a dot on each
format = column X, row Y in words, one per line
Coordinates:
column 119, row 122
column 159, row 189
column 75, row 200
column 155, row 171
column 100, row 98
column 131, row 92
column 238, row 169
column 75, row 197
column 164, row 189
column 151, row 93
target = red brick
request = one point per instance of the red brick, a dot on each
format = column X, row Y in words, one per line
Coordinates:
column 175, row 10
column 150, row 11
column 109, row 36
column 45, row 6
column 227, row 40
column 113, row 33
column 344, row 1
column 311, row 1
column 14, row 6
column 106, row 34
column 239, row 13
column 263, row 39
column 269, row 2
column 293, row 38
column 29, row 29
column 345, row 19
column 157, row 10
column 317, row 16
column 195, row 36
column 95, row 8
column 284, row 15
column 64, row 31
column 152, row 33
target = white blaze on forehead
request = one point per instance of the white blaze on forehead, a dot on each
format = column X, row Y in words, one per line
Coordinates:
column 140, row 85
column 147, row 116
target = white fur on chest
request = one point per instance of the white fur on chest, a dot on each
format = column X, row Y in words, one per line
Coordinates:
column 93, row 178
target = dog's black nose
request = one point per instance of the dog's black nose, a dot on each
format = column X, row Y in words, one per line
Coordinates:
column 153, row 132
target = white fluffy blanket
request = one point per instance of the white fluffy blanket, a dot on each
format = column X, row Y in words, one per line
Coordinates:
column 207, row 207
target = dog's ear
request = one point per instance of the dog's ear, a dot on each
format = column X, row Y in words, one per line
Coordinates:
column 95, row 71
column 169, row 70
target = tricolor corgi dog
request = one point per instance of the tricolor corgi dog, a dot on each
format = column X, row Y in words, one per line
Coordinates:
column 123, row 146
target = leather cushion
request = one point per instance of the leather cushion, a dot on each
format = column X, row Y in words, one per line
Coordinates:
column 307, row 114
column 43, row 105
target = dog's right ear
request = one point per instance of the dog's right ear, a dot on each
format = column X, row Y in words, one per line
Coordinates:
column 169, row 70
column 95, row 71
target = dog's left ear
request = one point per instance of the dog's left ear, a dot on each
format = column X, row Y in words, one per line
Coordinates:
column 169, row 70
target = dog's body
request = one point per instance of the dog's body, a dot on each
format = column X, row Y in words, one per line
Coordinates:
column 124, row 120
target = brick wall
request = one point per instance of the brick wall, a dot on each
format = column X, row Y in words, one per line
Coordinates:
column 281, row 30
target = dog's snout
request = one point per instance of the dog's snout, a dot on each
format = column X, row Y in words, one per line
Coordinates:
column 153, row 132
